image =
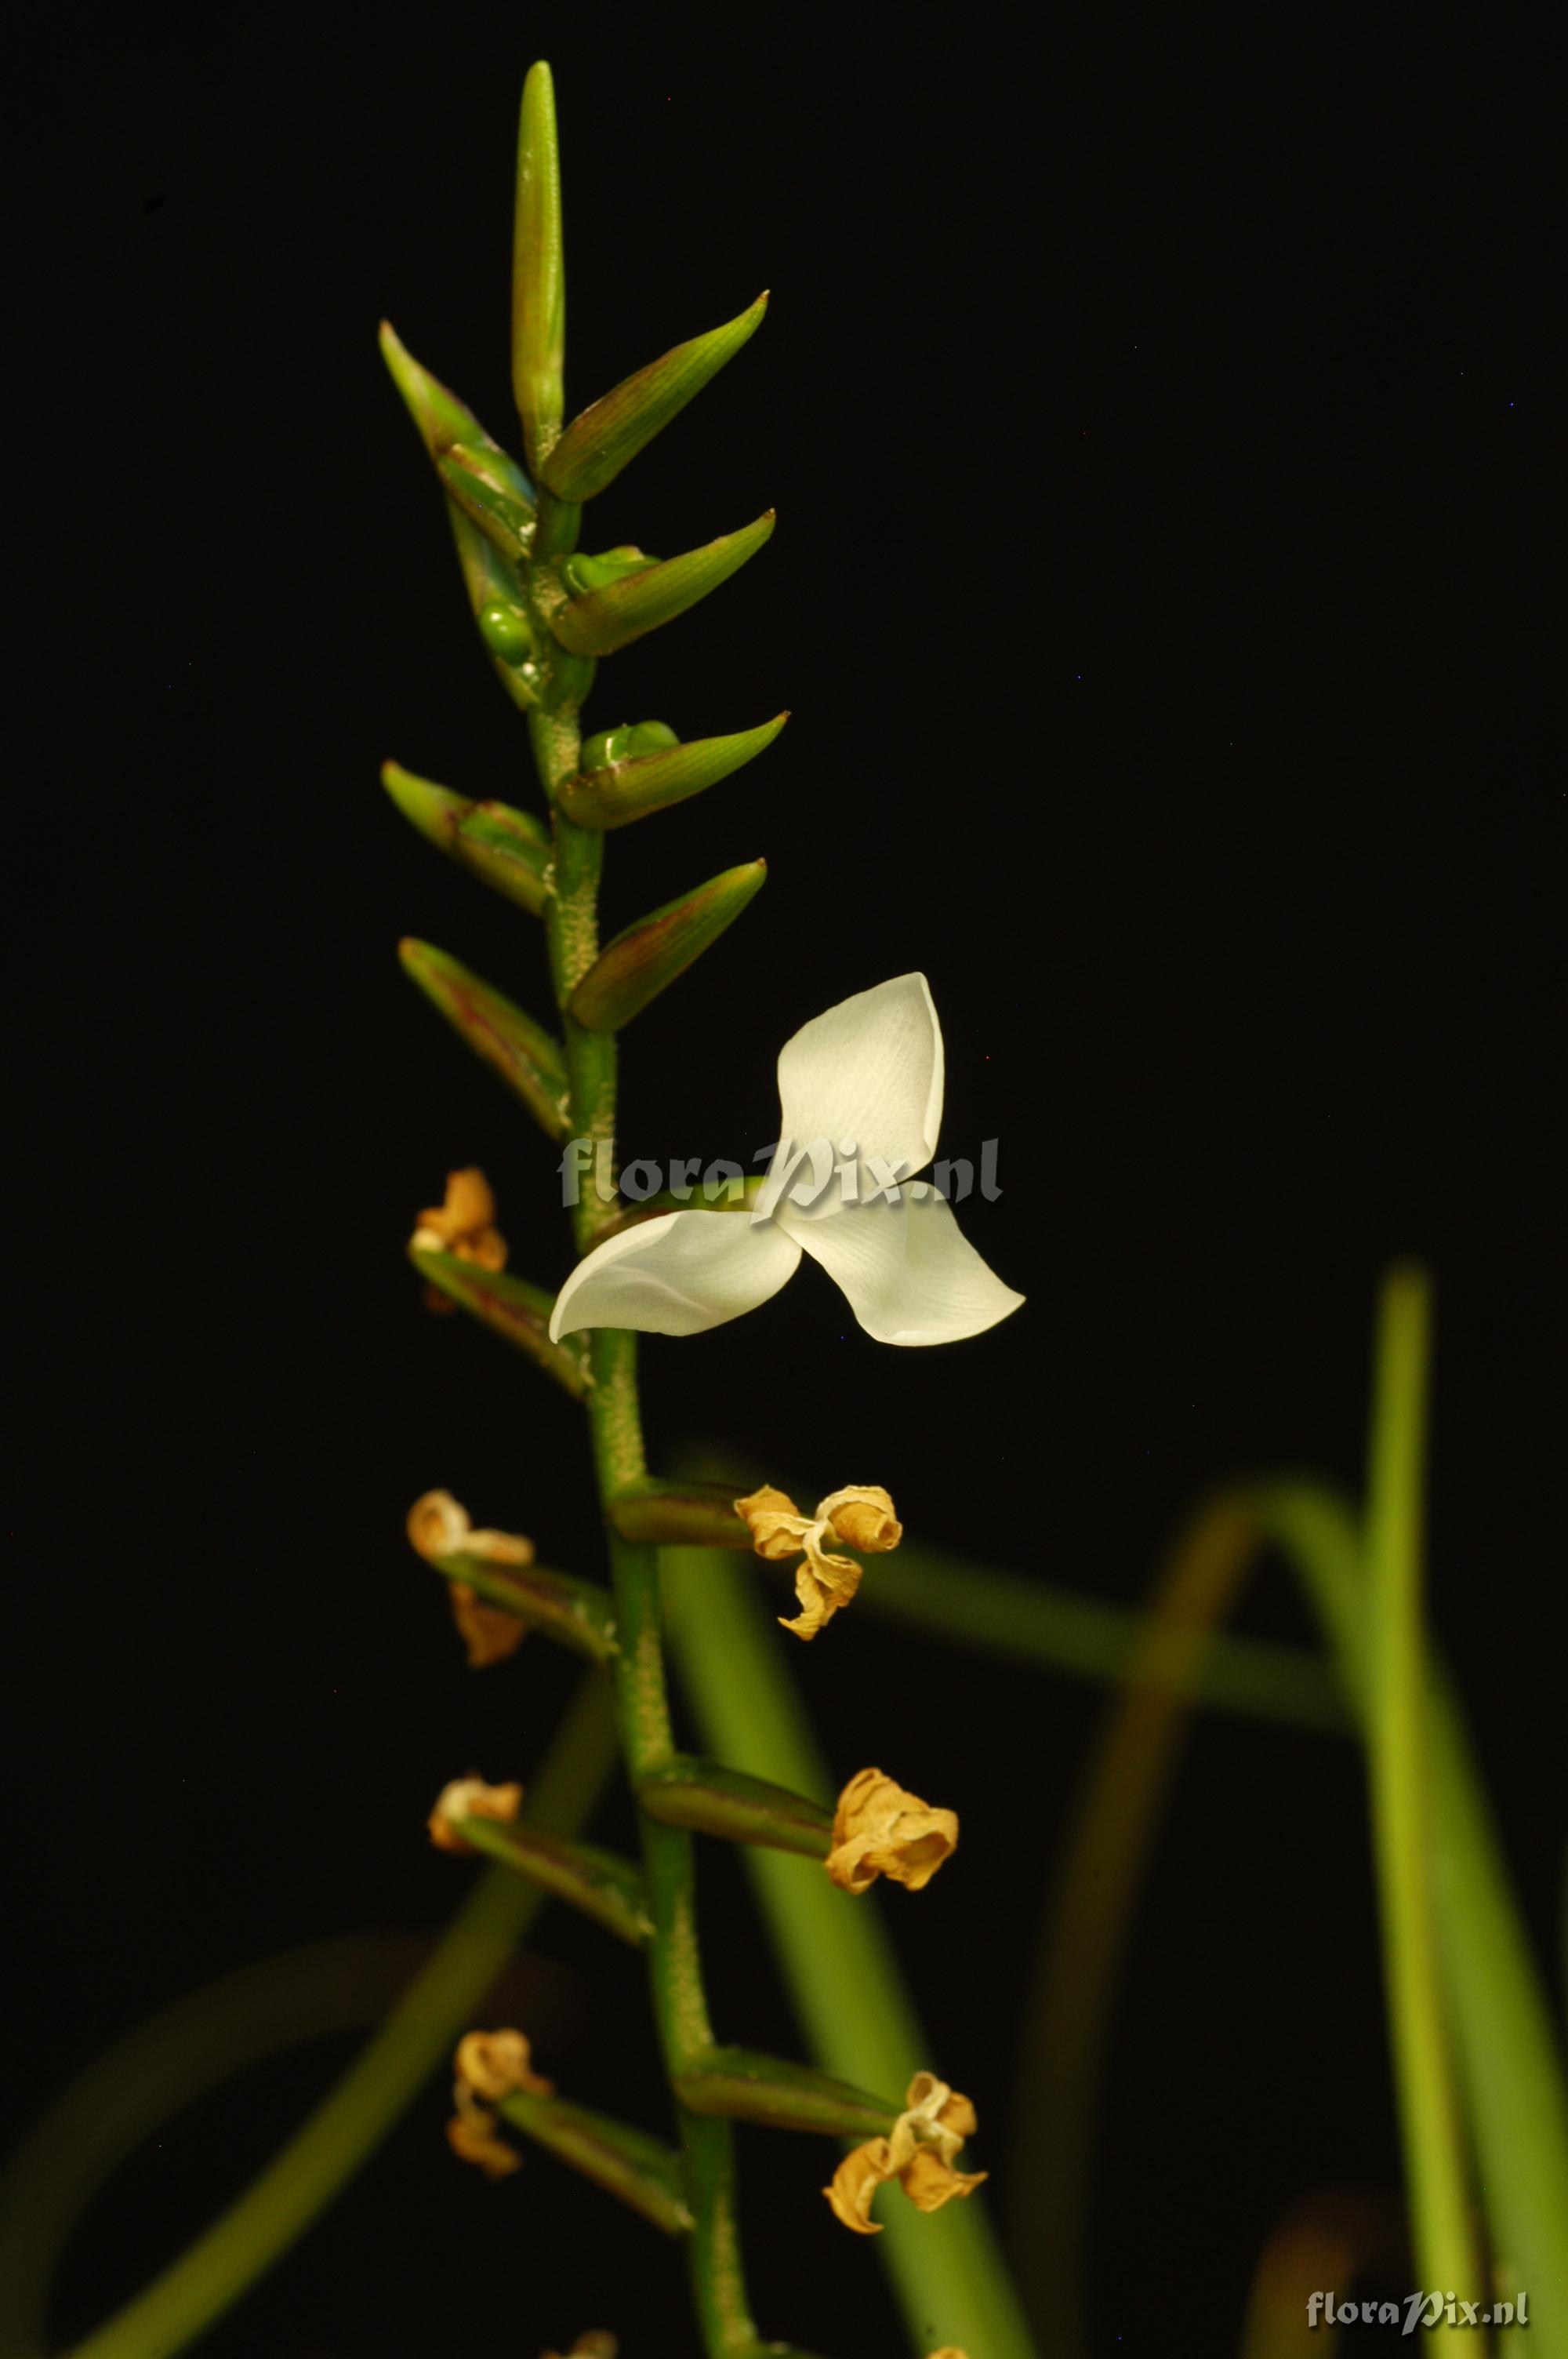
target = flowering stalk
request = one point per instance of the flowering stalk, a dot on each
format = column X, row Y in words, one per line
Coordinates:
column 546, row 613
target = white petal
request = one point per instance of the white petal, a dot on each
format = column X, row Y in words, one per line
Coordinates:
column 676, row 1275
column 910, row 1273
column 871, row 1071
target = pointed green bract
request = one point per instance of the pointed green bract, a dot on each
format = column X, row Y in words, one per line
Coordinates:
column 601, row 1883
column 495, row 591
column 538, row 272
column 648, row 2175
column 603, row 438
column 489, row 504
column 612, row 617
column 509, row 849
column 512, row 1307
column 615, row 793
column 743, row 2085
column 713, row 1801
column 525, row 1056
column 486, row 499
column 576, row 1614
column 446, row 424
column 505, row 848
column 639, row 963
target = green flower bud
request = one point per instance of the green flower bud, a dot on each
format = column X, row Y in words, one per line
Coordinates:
column 506, row 634
column 648, row 737
column 623, row 744
column 582, row 573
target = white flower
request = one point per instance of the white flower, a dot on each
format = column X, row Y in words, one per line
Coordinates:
column 860, row 1093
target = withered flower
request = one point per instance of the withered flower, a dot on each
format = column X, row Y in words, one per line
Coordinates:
column 470, row 1797
column 438, row 1526
column 465, row 1223
column 860, row 1515
column 920, row 2152
column 495, row 2063
column 490, row 2064
column 473, row 2137
column 879, row 1827
column 463, row 1226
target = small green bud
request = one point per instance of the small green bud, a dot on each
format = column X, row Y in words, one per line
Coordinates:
column 648, row 737
column 505, row 633
column 623, row 744
column 582, row 573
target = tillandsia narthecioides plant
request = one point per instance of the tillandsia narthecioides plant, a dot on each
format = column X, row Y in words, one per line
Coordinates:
column 862, row 1091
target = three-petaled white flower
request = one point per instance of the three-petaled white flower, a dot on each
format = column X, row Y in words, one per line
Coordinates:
column 860, row 1095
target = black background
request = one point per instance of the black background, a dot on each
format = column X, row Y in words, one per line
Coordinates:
column 1156, row 423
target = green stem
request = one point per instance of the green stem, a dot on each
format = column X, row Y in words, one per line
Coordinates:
column 323, row 2155
column 1397, row 1734
column 680, row 2005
